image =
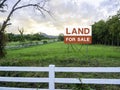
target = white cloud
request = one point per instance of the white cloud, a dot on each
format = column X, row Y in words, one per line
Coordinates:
column 64, row 12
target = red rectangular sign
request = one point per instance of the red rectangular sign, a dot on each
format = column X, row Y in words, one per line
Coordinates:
column 78, row 39
column 78, row 34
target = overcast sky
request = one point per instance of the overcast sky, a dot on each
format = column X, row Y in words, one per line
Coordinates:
column 64, row 12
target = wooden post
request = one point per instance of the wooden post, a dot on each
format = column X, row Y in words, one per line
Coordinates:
column 51, row 77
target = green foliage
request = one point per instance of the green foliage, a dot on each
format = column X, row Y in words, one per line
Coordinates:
column 61, row 37
column 29, row 37
column 44, row 42
column 107, row 32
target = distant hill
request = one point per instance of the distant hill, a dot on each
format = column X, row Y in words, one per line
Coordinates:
column 49, row 36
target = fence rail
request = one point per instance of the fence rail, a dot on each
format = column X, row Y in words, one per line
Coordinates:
column 52, row 80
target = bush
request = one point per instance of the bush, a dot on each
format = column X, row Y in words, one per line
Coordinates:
column 45, row 42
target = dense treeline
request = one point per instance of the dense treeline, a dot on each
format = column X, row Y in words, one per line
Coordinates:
column 107, row 32
column 28, row 37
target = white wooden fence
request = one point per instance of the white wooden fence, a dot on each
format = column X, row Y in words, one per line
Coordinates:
column 52, row 80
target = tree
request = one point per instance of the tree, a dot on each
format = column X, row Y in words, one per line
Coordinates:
column 99, row 32
column 118, row 28
column 107, row 32
column 2, row 43
column 114, row 29
column 2, row 5
column 10, row 37
column 61, row 37
column 40, row 6
column 21, row 31
column 37, row 36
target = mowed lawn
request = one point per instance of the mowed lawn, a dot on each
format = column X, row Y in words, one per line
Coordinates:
column 62, row 54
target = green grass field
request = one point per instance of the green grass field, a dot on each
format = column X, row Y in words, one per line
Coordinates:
column 58, row 53
column 62, row 54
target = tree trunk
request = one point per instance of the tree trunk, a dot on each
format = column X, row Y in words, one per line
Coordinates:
column 118, row 41
column 2, row 44
column 112, row 41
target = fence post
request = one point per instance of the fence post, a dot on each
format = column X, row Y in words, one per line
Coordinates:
column 51, row 77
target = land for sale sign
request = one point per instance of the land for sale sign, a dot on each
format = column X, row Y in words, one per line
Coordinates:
column 78, row 35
